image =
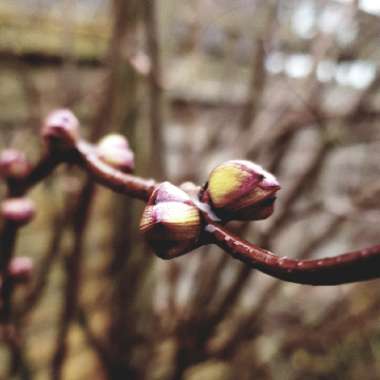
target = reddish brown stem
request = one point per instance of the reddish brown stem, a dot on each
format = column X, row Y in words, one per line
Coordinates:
column 8, row 238
column 349, row 267
column 115, row 180
column 44, row 167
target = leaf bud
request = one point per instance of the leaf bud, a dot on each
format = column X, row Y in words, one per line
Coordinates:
column 171, row 223
column 114, row 150
column 61, row 127
column 19, row 211
column 241, row 190
column 20, row 269
column 13, row 164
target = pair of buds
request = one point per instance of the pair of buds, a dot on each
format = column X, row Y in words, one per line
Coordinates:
column 18, row 211
column 172, row 222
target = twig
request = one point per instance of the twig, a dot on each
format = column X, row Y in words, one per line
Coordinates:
column 73, row 273
column 353, row 266
column 250, row 323
column 35, row 294
column 117, row 181
column 155, row 88
column 43, row 168
column 95, row 342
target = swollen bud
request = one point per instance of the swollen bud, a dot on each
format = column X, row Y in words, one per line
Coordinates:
column 19, row 211
column 61, row 127
column 171, row 223
column 114, row 150
column 20, row 269
column 241, row 190
column 13, row 164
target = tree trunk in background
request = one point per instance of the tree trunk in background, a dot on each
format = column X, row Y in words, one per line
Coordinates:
column 130, row 267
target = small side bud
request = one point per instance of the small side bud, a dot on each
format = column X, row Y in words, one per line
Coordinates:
column 13, row 164
column 61, row 127
column 21, row 269
column 171, row 223
column 241, row 190
column 114, row 150
column 18, row 210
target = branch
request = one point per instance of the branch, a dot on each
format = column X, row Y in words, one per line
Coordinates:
column 107, row 176
column 155, row 83
column 349, row 267
column 35, row 293
column 73, row 267
column 42, row 169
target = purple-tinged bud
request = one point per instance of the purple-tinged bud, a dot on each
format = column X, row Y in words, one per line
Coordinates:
column 20, row 269
column 61, row 127
column 19, row 211
column 114, row 150
column 241, row 190
column 13, row 164
column 171, row 223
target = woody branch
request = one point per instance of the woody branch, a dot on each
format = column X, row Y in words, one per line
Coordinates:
column 175, row 222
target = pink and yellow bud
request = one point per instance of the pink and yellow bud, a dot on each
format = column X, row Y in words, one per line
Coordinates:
column 19, row 211
column 20, row 269
column 114, row 150
column 171, row 223
column 13, row 164
column 62, row 127
column 241, row 190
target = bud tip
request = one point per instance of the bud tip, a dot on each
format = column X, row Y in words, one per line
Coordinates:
column 61, row 126
column 114, row 150
column 13, row 164
column 18, row 210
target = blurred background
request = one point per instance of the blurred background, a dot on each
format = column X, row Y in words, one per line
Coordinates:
column 292, row 85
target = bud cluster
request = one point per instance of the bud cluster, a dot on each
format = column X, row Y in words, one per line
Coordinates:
column 236, row 190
